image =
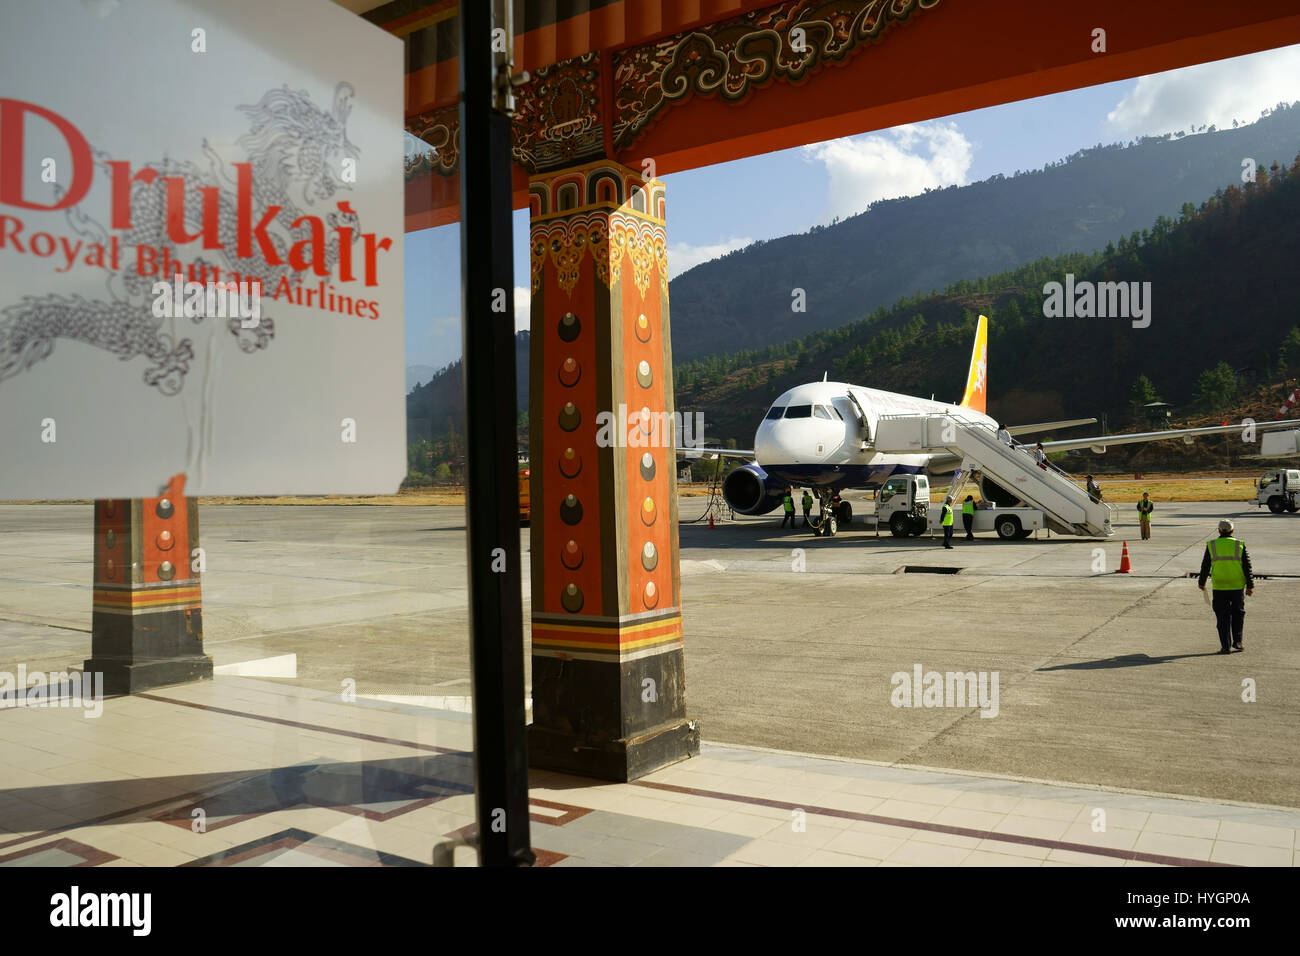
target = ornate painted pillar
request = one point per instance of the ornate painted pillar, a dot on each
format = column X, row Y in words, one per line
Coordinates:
column 147, row 622
column 608, row 686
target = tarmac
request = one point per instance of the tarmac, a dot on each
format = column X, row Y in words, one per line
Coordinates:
column 1106, row 683
column 1106, row 679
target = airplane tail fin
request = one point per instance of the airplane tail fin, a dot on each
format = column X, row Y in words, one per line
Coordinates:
column 977, row 378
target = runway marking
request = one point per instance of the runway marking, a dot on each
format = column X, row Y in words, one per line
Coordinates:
column 1110, row 620
column 1135, row 855
column 1017, row 679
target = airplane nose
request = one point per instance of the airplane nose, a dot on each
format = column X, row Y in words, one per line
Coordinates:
column 782, row 442
column 801, row 440
column 766, row 448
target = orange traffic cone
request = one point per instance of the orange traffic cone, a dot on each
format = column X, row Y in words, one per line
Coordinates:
column 1124, row 566
column 710, row 520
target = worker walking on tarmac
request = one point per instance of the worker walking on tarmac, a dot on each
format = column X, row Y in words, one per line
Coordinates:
column 945, row 519
column 788, row 504
column 968, row 516
column 1227, row 566
column 807, row 507
column 1145, row 507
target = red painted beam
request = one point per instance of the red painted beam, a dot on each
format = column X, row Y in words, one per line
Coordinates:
column 962, row 55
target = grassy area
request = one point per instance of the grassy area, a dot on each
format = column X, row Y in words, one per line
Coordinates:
column 414, row 496
column 1212, row 486
column 1222, row 486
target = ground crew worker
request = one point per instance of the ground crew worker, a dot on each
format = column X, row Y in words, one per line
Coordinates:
column 945, row 519
column 788, row 504
column 807, row 507
column 968, row 516
column 1145, row 507
column 1227, row 566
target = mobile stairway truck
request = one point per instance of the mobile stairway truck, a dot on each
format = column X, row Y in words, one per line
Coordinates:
column 1025, row 496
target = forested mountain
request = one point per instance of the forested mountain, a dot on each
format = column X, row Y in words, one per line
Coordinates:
column 1224, row 305
column 434, row 408
column 900, row 247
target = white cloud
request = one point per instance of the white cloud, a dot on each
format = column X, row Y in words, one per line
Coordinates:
column 443, row 327
column 683, row 256
column 1211, row 94
column 523, row 306
column 902, row 161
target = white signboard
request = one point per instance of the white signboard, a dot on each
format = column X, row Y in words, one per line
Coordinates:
column 201, row 213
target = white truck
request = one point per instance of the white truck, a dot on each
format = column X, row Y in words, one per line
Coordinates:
column 1280, row 490
column 903, row 505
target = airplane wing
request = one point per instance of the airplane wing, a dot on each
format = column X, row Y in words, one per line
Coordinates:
column 712, row 453
column 1048, row 426
column 942, row 464
column 1101, row 441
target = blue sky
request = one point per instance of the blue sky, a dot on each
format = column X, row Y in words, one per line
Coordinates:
column 711, row 210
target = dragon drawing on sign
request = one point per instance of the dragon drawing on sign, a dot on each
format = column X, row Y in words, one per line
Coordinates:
column 297, row 155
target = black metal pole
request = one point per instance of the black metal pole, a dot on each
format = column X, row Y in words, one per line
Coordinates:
column 492, row 499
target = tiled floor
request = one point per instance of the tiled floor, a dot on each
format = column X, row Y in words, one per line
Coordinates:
column 244, row 772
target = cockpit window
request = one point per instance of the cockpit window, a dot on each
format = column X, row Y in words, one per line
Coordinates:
column 799, row 411
column 821, row 412
column 776, row 411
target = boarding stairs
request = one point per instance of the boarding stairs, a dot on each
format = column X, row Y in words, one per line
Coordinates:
column 1066, row 505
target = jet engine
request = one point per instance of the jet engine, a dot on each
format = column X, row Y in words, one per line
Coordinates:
column 749, row 490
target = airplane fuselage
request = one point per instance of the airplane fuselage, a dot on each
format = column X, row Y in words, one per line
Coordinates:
column 813, row 435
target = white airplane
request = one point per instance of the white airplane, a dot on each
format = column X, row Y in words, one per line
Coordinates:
column 818, row 436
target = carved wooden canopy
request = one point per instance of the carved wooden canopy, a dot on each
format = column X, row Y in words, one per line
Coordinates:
column 685, row 83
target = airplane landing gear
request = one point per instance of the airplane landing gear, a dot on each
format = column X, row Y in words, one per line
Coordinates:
column 827, row 522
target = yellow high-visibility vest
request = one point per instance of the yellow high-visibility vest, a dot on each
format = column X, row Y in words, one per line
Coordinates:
column 1227, row 573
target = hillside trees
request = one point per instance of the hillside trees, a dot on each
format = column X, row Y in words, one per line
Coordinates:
column 1289, row 352
column 1142, row 392
column 1216, row 388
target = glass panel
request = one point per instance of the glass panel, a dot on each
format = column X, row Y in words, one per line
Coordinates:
column 775, row 411
column 799, row 411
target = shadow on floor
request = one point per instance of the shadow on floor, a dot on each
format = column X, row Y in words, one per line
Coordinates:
column 1125, row 660
column 377, row 789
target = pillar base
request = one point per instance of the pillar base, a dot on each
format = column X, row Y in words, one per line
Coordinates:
column 124, row 678
column 619, row 760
